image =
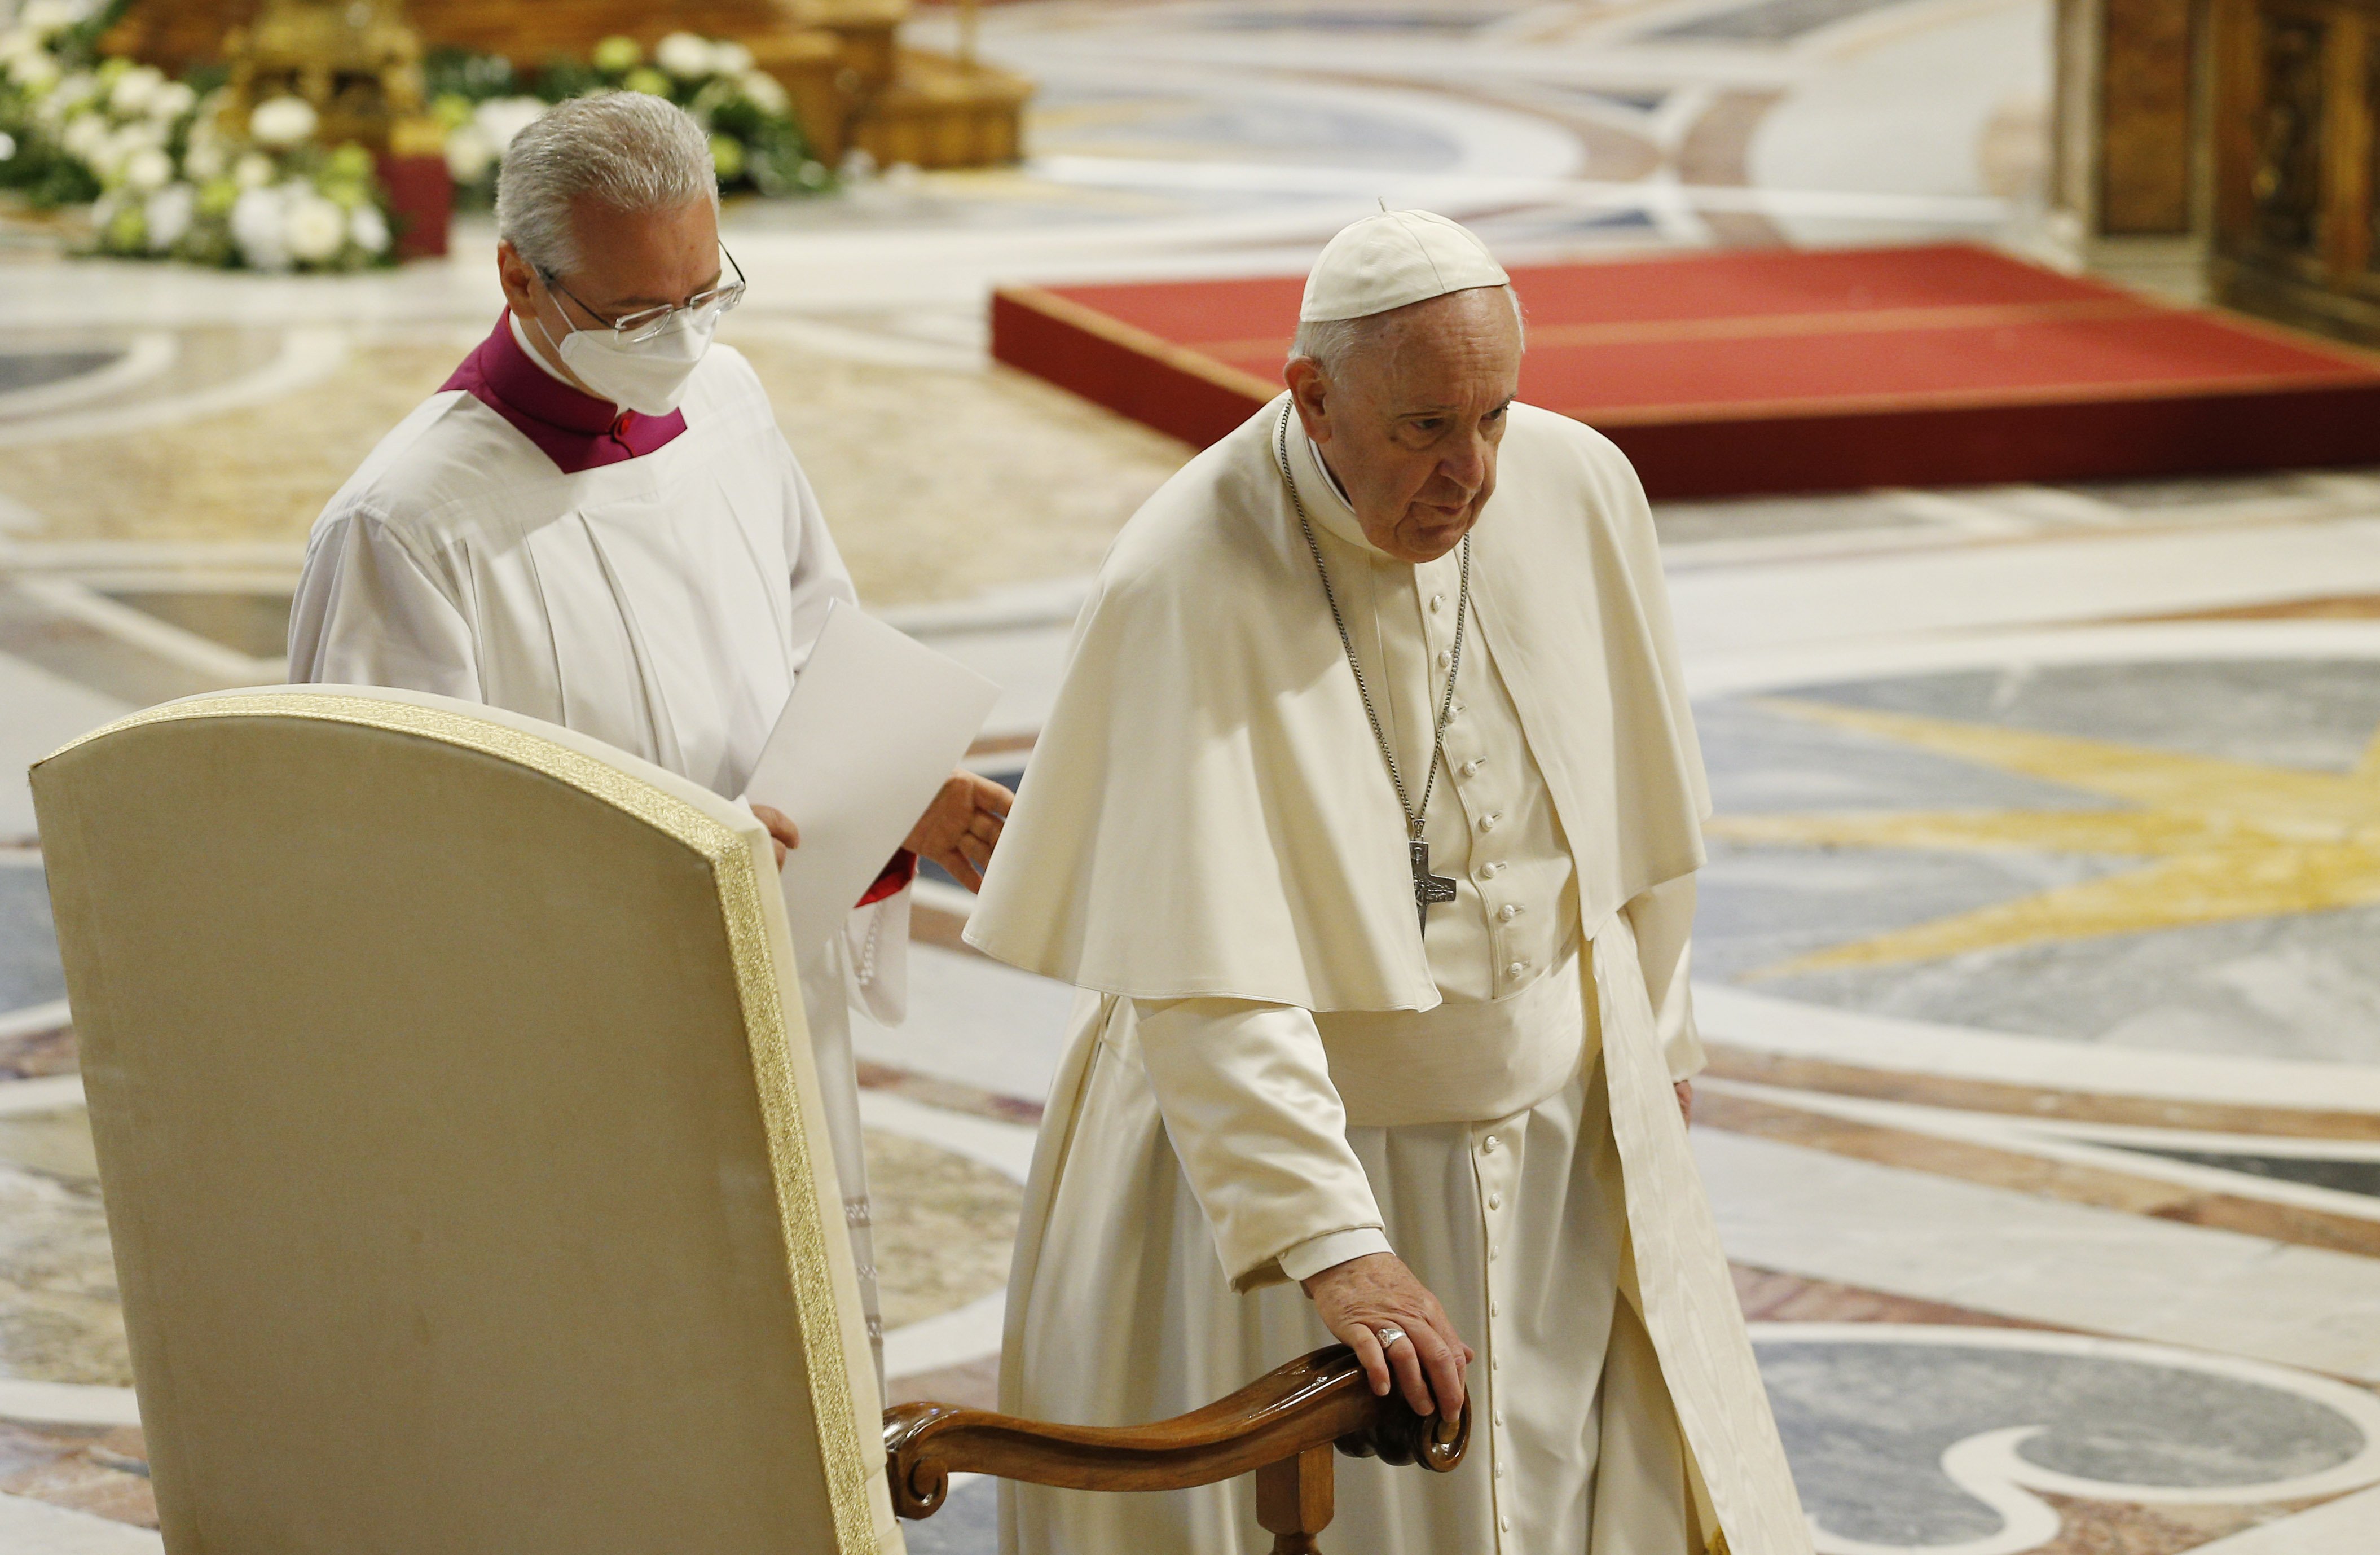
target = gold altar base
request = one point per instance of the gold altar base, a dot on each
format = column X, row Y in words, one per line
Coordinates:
column 841, row 61
column 943, row 112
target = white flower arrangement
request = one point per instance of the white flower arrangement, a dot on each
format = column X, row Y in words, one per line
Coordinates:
column 687, row 57
column 163, row 175
column 756, row 143
column 282, row 123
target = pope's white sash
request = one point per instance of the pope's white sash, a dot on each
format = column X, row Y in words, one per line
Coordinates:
column 1465, row 1060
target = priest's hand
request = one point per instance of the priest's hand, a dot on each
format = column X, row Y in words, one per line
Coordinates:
column 781, row 830
column 1357, row 1298
column 1685, row 1089
column 962, row 826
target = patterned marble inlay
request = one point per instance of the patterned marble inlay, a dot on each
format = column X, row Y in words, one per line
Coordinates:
column 943, row 1227
column 60, row 1318
column 1768, row 21
column 1945, row 1438
column 29, row 946
column 33, row 369
column 2176, row 855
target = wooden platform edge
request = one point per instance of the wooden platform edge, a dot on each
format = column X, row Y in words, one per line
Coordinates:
column 1175, row 390
column 2120, row 432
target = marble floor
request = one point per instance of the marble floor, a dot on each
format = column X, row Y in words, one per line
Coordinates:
column 2035, row 953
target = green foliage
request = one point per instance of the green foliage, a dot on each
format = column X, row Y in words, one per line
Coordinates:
column 756, row 145
column 474, row 78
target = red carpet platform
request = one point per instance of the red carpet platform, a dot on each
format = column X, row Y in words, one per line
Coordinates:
column 1733, row 373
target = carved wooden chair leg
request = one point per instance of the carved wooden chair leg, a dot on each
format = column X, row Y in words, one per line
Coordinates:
column 1282, row 1427
column 1293, row 1500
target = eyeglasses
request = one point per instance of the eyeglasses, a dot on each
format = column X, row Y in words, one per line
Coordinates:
column 648, row 324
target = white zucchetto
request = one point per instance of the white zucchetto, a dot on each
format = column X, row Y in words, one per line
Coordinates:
column 1393, row 259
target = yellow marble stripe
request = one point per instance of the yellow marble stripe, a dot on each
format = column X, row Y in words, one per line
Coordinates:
column 2170, row 893
column 2288, row 801
column 2143, row 833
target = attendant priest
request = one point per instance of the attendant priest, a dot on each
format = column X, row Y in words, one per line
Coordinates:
column 1366, row 823
column 597, row 522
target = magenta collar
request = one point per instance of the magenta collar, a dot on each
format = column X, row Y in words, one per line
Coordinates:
column 575, row 431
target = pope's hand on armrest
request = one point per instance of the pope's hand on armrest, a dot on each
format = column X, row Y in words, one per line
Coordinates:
column 962, row 826
column 1357, row 1299
column 1261, row 1133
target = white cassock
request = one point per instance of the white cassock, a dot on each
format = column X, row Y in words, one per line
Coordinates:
column 1274, row 1070
column 661, row 603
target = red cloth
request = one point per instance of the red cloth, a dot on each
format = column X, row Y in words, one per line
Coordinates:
column 421, row 198
column 895, row 880
column 575, row 431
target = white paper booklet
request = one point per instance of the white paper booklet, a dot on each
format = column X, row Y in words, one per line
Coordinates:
column 875, row 723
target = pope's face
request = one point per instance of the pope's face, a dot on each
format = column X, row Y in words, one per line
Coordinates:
column 1412, row 422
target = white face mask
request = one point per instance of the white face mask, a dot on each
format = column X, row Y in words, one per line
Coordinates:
column 649, row 378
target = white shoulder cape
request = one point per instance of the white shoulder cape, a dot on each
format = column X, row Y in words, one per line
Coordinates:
column 1207, row 815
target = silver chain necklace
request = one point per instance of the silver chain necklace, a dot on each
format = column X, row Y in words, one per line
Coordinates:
column 1428, row 889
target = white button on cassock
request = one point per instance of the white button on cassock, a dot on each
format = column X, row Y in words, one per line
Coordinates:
column 1444, row 658
column 1492, row 1144
column 1488, row 823
column 1495, row 1201
column 1437, row 603
column 1508, row 912
column 1489, row 871
column 1469, row 768
column 1516, row 968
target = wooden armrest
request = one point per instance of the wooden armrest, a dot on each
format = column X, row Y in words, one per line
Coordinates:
column 1292, row 1410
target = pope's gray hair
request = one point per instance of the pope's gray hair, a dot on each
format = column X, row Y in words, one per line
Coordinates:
column 1331, row 344
column 628, row 150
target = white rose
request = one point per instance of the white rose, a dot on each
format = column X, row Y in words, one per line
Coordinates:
column 148, row 170
column 86, row 138
column 257, row 228
column 204, row 161
column 765, row 92
column 469, row 154
column 128, row 142
column 315, row 229
column 282, row 123
column 171, row 101
column 42, row 17
column 684, row 55
column 730, row 58
column 69, row 97
column 171, row 210
column 130, row 139
column 134, row 88
column 368, row 229
column 502, row 118
column 35, row 72
column 254, row 171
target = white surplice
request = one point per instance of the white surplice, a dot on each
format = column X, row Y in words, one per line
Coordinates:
column 662, row 604
column 1274, row 1070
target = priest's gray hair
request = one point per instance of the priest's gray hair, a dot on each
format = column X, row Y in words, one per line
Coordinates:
column 1331, row 343
column 628, row 150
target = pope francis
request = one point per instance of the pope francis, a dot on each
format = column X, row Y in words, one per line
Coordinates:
column 1367, row 821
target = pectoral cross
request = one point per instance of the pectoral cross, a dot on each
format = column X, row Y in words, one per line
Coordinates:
column 1428, row 889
